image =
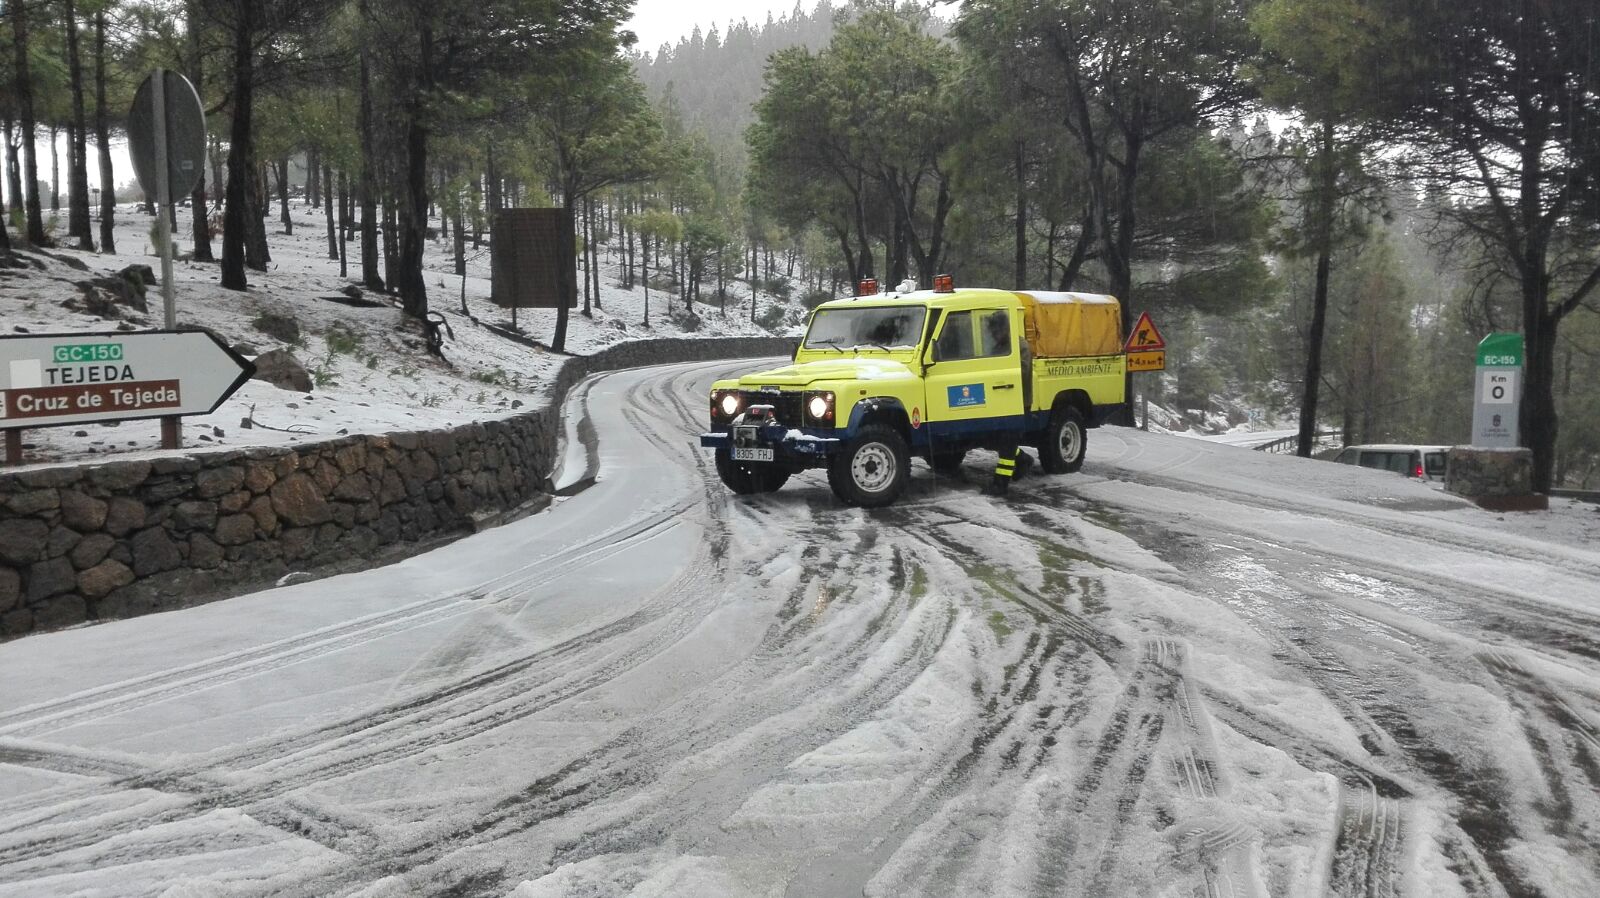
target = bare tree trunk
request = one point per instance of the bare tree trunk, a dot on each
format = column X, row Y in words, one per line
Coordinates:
column 102, row 139
column 559, row 343
column 314, row 178
column 13, row 169
column 283, row 195
column 78, row 224
column 55, row 168
column 495, row 189
column 594, row 256
column 583, row 230
column 241, row 154
column 327, row 196
column 412, row 288
column 461, row 237
column 199, row 202
column 477, row 213
column 1323, row 230
column 627, row 248
column 30, row 164
column 215, row 154
column 391, row 246
column 367, row 186
column 257, row 254
column 435, row 199
column 345, row 209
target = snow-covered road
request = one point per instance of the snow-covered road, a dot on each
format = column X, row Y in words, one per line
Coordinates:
column 1189, row 669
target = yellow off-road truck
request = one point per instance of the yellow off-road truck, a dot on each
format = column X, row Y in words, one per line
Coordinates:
column 931, row 373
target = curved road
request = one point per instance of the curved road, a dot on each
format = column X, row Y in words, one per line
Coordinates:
column 1188, row 670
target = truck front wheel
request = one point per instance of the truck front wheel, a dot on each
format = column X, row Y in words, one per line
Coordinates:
column 1061, row 450
column 872, row 470
column 747, row 479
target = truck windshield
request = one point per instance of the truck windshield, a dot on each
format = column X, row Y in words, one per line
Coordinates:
column 897, row 327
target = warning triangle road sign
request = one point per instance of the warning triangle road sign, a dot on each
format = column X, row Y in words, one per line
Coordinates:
column 1144, row 337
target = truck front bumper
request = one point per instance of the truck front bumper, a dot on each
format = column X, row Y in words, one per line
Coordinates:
column 772, row 442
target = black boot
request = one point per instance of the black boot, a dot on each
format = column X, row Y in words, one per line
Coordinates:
column 997, row 487
column 1024, row 464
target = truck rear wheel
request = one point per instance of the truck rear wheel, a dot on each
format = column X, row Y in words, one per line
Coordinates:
column 873, row 468
column 1065, row 439
column 747, row 479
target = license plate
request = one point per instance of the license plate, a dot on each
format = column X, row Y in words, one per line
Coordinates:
column 752, row 454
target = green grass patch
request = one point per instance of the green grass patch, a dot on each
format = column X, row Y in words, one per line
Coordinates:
column 997, row 623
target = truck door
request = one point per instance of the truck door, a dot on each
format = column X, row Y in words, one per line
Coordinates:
column 975, row 379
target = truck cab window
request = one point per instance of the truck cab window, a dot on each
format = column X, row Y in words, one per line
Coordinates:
column 996, row 333
column 955, row 342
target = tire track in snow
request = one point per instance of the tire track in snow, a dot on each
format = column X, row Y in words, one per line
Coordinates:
column 759, row 702
column 454, row 712
column 1491, row 611
column 385, row 738
column 1088, row 826
column 128, row 695
column 1471, row 790
column 1376, row 519
column 1366, row 854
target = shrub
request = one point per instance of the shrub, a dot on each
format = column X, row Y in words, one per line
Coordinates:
column 814, row 298
column 773, row 317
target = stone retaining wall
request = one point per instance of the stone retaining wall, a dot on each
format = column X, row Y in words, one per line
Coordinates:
column 117, row 539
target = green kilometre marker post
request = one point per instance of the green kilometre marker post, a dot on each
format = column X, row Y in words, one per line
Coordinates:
column 1497, row 391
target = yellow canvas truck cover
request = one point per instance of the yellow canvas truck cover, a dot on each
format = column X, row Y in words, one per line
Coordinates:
column 1067, row 325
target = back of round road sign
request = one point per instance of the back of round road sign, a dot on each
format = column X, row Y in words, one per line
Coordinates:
column 186, row 135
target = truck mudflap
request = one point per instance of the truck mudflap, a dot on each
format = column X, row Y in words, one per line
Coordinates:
column 766, row 440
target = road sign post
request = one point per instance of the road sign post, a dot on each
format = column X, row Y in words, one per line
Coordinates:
column 167, row 140
column 52, row 380
column 1497, row 391
column 1145, row 350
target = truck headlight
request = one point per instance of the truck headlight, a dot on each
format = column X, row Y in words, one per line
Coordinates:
column 729, row 404
column 819, row 407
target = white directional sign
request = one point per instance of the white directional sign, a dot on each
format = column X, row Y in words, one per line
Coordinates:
column 53, row 379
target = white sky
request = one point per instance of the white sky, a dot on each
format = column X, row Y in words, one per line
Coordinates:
column 658, row 22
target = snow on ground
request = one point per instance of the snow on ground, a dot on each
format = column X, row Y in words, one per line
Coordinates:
column 1189, row 669
column 370, row 369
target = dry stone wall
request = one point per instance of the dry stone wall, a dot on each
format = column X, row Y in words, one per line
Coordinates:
column 110, row 540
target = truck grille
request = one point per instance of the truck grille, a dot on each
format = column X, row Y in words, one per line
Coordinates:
column 785, row 406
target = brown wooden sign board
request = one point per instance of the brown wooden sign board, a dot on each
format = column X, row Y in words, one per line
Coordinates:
column 534, row 259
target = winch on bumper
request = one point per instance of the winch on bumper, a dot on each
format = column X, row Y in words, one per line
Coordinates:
column 757, row 436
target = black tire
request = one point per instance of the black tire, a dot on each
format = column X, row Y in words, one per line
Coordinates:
column 746, row 478
column 1065, row 439
column 873, row 468
column 947, row 463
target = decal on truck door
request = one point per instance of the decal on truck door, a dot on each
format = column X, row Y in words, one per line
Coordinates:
column 966, row 395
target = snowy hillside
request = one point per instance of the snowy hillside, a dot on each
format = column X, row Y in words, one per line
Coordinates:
column 369, row 365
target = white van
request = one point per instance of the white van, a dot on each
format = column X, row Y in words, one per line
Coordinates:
column 1421, row 462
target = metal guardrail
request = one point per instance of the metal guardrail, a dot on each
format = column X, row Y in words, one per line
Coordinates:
column 1291, row 444
column 1580, row 495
